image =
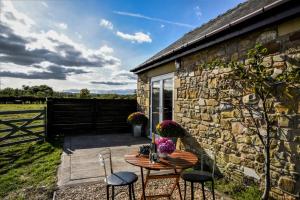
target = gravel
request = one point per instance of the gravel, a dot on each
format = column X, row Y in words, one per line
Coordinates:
column 98, row 191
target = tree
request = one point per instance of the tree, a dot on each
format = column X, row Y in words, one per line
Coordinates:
column 84, row 93
column 8, row 92
column 38, row 91
column 257, row 89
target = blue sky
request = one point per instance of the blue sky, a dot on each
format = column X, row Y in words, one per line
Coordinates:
column 74, row 44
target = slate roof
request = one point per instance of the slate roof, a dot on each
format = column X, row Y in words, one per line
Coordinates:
column 231, row 15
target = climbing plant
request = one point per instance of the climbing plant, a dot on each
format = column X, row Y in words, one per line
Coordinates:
column 257, row 90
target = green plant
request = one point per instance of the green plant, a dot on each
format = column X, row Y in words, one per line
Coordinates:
column 249, row 193
column 236, row 190
column 266, row 87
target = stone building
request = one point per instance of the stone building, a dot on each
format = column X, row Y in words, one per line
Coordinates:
column 172, row 85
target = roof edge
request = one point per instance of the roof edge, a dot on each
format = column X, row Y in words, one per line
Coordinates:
column 153, row 63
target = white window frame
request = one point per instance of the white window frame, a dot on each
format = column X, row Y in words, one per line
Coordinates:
column 160, row 78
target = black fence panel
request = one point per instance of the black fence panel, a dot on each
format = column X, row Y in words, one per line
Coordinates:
column 100, row 116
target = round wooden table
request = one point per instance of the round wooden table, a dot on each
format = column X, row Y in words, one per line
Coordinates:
column 177, row 161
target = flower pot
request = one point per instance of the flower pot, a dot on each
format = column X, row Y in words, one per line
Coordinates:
column 137, row 130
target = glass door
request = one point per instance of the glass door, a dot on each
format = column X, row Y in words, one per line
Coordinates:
column 155, row 114
column 167, row 101
column 161, row 100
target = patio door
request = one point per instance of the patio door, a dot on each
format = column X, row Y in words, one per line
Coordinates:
column 161, row 100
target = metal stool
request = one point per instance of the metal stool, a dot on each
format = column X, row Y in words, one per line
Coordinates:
column 113, row 179
column 199, row 176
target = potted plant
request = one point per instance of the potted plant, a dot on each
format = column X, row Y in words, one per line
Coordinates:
column 165, row 146
column 170, row 129
column 137, row 120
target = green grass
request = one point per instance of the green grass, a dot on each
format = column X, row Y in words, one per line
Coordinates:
column 28, row 171
column 21, row 106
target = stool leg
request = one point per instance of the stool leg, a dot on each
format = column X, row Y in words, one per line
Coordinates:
column 192, row 191
column 132, row 187
column 130, row 196
column 107, row 192
column 203, row 192
column 213, row 189
column 184, row 190
column 112, row 192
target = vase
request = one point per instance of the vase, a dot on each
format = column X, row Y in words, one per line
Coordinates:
column 137, row 130
column 162, row 155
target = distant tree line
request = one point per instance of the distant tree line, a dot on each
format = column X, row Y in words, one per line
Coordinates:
column 38, row 94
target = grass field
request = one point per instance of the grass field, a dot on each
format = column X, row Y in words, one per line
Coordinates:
column 28, row 171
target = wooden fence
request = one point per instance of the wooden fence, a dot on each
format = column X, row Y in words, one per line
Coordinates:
column 98, row 116
column 22, row 126
column 22, row 100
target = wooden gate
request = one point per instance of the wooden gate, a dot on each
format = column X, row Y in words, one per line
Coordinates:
column 22, row 126
column 86, row 116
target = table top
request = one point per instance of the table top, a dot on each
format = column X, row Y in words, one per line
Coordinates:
column 176, row 160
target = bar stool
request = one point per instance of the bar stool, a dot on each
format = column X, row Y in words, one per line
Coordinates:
column 200, row 176
column 115, row 179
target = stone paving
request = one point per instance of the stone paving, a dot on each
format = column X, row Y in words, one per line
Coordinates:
column 80, row 163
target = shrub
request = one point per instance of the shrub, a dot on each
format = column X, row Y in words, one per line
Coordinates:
column 169, row 128
column 137, row 118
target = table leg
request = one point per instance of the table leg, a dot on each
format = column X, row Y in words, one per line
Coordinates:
column 143, row 186
column 176, row 184
column 179, row 190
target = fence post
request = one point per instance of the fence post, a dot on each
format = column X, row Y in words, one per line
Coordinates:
column 45, row 123
column 49, row 114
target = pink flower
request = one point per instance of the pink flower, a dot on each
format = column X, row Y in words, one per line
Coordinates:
column 165, row 145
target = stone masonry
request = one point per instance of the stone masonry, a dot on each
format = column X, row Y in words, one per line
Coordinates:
column 200, row 92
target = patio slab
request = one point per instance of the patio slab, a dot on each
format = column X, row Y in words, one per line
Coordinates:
column 79, row 161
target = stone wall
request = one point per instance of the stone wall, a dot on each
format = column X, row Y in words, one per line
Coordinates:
column 200, row 92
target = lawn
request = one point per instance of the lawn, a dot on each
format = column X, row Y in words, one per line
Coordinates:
column 28, row 171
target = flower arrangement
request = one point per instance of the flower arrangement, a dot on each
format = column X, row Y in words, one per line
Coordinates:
column 137, row 118
column 165, row 145
column 169, row 128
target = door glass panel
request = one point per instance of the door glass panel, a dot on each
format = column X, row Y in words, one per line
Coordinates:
column 167, row 99
column 155, row 104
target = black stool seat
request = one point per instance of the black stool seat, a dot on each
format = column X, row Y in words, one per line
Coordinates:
column 196, row 176
column 121, row 178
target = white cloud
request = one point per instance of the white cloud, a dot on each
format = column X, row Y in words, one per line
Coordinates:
column 18, row 21
column 162, row 26
column 137, row 15
column 106, row 49
column 100, row 63
column 138, row 37
column 44, row 4
column 198, row 12
column 63, row 26
column 78, row 35
column 106, row 24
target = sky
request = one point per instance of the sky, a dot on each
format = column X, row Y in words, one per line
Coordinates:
column 74, row 44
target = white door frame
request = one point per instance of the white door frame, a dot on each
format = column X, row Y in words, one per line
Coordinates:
column 160, row 78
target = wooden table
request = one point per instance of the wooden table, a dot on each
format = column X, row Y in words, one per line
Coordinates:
column 177, row 161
